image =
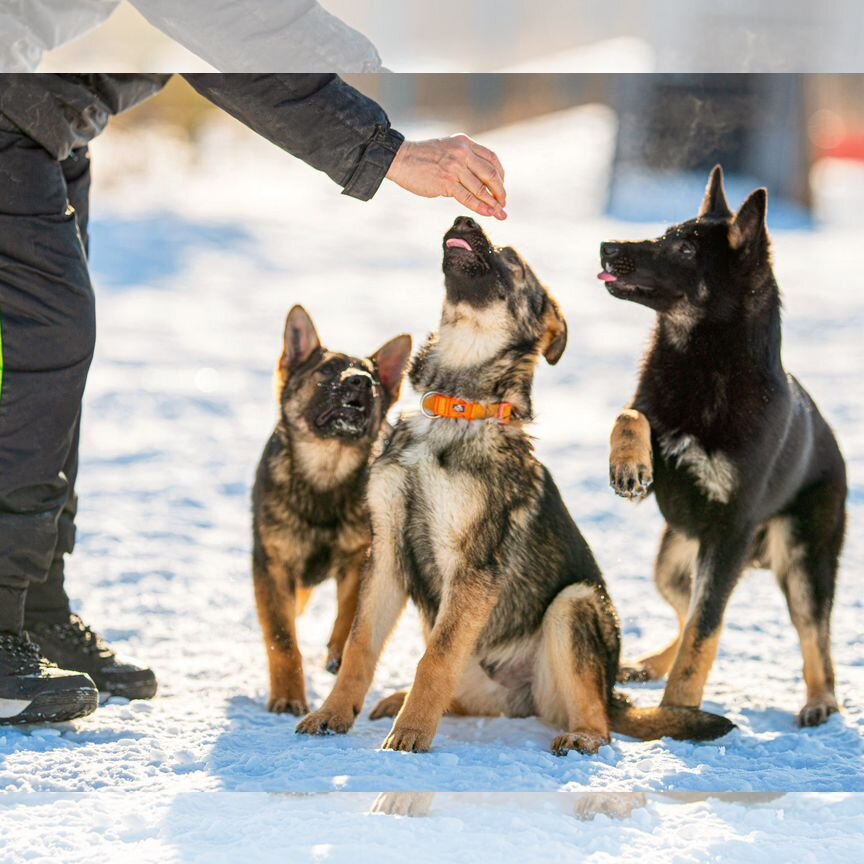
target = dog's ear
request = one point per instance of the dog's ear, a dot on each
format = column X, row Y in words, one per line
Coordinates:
column 748, row 226
column 299, row 344
column 390, row 361
column 714, row 204
column 556, row 334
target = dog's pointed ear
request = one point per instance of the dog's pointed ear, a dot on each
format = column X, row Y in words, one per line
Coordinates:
column 390, row 361
column 299, row 343
column 749, row 225
column 556, row 334
column 714, row 204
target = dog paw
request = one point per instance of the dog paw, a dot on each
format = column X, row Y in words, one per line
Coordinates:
column 389, row 706
column 630, row 480
column 334, row 660
column 282, row 705
column 584, row 742
column 325, row 722
column 634, row 673
column 817, row 711
column 408, row 740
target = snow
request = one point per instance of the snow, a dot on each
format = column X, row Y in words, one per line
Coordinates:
column 197, row 257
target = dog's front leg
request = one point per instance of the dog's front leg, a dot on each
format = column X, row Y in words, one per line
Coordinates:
column 347, row 592
column 382, row 599
column 461, row 618
column 630, row 458
column 719, row 564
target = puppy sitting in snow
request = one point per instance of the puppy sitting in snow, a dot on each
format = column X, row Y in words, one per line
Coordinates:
column 310, row 520
column 469, row 525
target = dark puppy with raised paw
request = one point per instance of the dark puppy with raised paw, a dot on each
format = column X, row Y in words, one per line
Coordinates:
column 746, row 471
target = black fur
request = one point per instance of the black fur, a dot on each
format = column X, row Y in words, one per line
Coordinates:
column 713, row 378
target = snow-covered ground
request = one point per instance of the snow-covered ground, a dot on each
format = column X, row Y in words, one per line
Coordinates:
column 197, row 257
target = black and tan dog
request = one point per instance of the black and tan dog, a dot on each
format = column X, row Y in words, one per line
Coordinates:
column 470, row 525
column 745, row 469
column 310, row 519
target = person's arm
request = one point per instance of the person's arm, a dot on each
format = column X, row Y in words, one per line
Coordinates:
column 28, row 28
column 336, row 129
column 317, row 118
column 251, row 35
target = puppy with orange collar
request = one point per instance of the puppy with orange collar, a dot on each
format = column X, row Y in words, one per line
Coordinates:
column 470, row 525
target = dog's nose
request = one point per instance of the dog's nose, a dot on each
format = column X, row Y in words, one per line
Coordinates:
column 359, row 382
column 465, row 223
column 610, row 250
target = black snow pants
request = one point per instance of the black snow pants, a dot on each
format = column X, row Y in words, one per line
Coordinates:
column 47, row 335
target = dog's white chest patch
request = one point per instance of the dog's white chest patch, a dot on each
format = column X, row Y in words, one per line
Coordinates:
column 716, row 474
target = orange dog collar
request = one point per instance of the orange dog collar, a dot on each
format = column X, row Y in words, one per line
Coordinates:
column 435, row 404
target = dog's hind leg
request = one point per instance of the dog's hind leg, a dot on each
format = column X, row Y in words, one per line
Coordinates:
column 804, row 551
column 719, row 564
column 276, row 599
column 347, row 590
column 578, row 652
column 673, row 575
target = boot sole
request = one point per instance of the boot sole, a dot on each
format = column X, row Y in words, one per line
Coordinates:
column 55, row 707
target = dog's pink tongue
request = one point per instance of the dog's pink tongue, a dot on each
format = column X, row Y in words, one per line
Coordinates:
column 458, row 243
column 607, row 277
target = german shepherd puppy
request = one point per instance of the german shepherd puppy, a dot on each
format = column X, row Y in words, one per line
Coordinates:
column 745, row 469
column 470, row 526
column 310, row 519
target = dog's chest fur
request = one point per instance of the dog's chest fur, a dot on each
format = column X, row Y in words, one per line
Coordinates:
column 443, row 475
column 313, row 530
column 715, row 474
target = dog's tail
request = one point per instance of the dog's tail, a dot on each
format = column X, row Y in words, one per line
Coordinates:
column 683, row 724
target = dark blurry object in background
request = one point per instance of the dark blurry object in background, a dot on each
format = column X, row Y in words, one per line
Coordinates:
column 674, row 128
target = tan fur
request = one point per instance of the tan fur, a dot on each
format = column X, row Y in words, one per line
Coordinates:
column 382, row 599
column 786, row 560
column 630, row 456
column 347, row 591
column 326, row 464
column 679, row 555
column 691, row 669
column 463, row 615
column 287, row 682
column 567, row 693
column 469, row 336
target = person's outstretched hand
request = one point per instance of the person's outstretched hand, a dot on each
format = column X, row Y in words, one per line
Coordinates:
column 454, row 167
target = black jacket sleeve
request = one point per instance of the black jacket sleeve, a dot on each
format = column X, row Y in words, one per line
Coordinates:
column 317, row 118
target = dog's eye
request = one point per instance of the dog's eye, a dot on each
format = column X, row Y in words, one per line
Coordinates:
column 686, row 248
column 537, row 299
column 511, row 259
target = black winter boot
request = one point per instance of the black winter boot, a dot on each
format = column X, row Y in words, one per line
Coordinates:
column 32, row 690
column 72, row 644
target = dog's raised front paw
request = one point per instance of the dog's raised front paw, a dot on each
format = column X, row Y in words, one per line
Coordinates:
column 630, row 479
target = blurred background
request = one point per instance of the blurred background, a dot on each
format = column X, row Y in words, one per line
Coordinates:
column 802, row 136
column 543, row 35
